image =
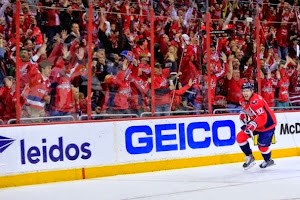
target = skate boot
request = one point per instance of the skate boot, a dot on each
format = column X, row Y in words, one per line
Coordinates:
column 267, row 163
column 250, row 162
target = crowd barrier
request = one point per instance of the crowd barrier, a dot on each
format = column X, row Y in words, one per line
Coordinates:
column 143, row 114
column 43, row 119
column 179, row 112
column 227, row 110
column 103, row 116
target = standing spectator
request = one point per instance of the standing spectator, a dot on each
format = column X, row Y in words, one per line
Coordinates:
column 38, row 94
column 28, row 66
column 165, row 91
column 120, row 102
column 52, row 22
column 8, row 99
column 162, row 89
column 282, row 40
column 283, row 85
column 171, row 60
column 142, row 48
column 217, row 74
column 144, row 67
column 295, row 87
column 268, row 85
column 74, row 34
column 234, row 85
column 63, row 104
column 3, row 68
column 139, row 92
column 66, row 17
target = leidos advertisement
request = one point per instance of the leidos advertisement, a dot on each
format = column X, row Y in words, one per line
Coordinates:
column 54, row 153
column 54, row 147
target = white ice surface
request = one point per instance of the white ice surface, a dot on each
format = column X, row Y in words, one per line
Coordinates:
column 229, row 181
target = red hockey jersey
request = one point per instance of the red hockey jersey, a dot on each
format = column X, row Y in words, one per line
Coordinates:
column 39, row 87
column 259, row 112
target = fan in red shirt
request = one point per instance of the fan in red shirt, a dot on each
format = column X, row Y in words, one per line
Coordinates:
column 283, row 85
column 8, row 99
column 164, row 91
column 122, row 83
column 216, row 75
column 64, row 103
column 282, row 40
column 162, row 88
column 26, row 67
column 234, row 84
column 38, row 92
column 216, row 12
column 258, row 119
column 295, row 87
column 34, row 33
column 139, row 90
column 268, row 85
column 142, row 48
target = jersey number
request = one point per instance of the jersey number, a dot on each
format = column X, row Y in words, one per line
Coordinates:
column 260, row 111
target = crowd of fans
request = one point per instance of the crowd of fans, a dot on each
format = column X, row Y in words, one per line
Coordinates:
column 54, row 55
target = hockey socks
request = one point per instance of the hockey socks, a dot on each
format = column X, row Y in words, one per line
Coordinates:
column 246, row 149
column 265, row 152
column 266, row 156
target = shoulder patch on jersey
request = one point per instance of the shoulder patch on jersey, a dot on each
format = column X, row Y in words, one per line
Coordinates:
column 254, row 102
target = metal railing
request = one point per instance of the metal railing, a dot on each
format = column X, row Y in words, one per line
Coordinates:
column 101, row 116
column 220, row 110
column 173, row 112
column 43, row 119
column 286, row 108
column 144, row 114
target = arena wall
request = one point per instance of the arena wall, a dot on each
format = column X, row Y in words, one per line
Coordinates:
column 62, row 152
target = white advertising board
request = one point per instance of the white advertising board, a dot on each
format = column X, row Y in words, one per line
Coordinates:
column 162, row 139
column 287, row 130
column 26, row 149
column 159, row 139
column 49, row 147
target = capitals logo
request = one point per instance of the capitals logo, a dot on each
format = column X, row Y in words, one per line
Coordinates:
column 5, row 142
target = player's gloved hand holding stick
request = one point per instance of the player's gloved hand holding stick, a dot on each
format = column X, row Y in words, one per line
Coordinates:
column 251, row 126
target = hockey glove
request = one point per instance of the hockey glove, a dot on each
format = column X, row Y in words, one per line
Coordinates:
column 244, row 118
column 250, row 128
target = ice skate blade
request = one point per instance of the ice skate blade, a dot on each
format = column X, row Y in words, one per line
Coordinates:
column 251, row 165
column 267, row 166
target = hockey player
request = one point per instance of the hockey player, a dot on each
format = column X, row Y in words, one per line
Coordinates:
column 258, row 119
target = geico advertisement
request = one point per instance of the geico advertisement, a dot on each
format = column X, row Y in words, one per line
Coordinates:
column 38, row 148
column 195, row 137
column 178, row 138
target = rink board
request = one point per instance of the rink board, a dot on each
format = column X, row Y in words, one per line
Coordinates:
column 61, row 152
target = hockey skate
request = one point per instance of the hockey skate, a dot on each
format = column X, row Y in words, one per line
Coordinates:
column 250, row 162
column 266, row 164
